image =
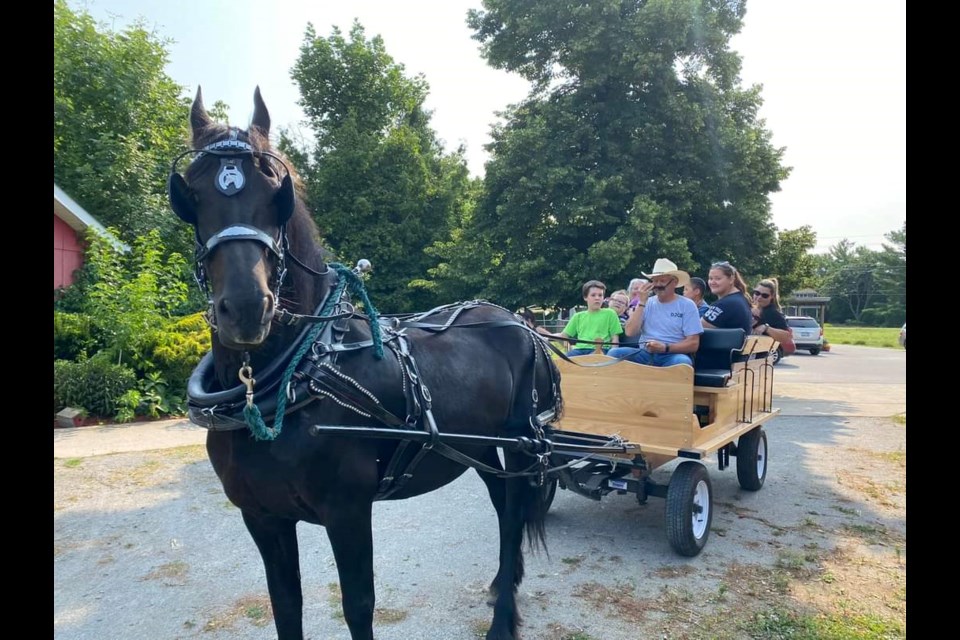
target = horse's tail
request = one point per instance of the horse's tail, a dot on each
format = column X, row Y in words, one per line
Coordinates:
column 534, row 513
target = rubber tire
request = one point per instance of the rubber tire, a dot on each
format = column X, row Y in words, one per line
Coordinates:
column 689, row 496
column 548, row 493
column 752, row 456
column 777, row 356
column 815, row 351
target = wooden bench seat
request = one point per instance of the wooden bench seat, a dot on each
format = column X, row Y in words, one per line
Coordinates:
column 714, row 359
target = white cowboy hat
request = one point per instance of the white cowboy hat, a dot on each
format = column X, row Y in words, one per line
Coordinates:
column 664, row 267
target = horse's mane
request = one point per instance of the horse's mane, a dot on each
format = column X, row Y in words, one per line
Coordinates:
column 302, row 230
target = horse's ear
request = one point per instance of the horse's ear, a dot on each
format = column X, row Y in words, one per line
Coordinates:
column 182, row 200
column 285, row 200
column 261, row 117
column 199, row 118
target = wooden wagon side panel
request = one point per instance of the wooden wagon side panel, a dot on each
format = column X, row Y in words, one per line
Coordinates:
column 649, row 406
column 756, row 376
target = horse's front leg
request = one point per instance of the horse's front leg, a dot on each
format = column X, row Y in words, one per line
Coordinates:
column 350, row 530
column 276, row 539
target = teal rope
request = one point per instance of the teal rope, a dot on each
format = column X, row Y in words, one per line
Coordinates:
column 356, row 286
column 251, row 413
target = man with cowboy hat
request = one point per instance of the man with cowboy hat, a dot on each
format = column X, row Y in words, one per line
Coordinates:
column 668, row 325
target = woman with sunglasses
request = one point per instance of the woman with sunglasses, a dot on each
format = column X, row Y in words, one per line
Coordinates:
column 732, row 308
column 768, row 318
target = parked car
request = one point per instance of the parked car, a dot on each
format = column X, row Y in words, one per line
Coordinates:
column 903, row 336
column 807, row 333
column 785, row 349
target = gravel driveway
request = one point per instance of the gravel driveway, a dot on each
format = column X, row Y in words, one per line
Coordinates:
column 146, row 546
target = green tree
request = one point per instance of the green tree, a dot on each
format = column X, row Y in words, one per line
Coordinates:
column 849, row 277
column 790, row 260
column 636, row 141
column 379, row 182
column 892, row 280
column 118, row 121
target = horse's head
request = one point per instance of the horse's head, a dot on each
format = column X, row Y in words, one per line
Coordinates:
column 239, row 196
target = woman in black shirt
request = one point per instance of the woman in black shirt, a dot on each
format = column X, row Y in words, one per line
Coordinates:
column 768, row 319
column 732, row 308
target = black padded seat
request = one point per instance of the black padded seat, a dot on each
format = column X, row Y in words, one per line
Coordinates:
column 717, row 352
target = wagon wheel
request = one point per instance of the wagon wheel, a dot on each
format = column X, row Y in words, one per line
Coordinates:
column 689, row 508
column 548, row 492
column 752, row 459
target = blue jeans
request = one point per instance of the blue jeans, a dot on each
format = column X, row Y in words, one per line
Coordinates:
column 582, row 352
column 642, row 356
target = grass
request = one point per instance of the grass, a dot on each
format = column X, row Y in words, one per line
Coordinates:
column 254, row 608
column 169, row 573
column 782, row 623
column 863, row 336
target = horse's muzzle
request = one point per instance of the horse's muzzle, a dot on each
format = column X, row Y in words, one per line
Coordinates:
column 244, row 323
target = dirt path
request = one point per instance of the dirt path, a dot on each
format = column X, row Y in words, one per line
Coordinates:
column 146, row 545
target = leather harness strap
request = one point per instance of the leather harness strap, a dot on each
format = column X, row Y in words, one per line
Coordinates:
column 318, row 376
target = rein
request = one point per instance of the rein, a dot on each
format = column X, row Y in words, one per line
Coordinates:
column 251, row 412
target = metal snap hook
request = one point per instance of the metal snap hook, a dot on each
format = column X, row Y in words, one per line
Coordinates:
column 246, row 377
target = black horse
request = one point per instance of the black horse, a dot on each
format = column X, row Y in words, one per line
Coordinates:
column 290, row 351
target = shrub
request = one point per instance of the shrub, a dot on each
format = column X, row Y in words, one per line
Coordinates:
column 157, row 399
column 176, row 349
column 130, row 295
column 127, row 406
column 95, row 384
column 67, row 385
column 73, row 336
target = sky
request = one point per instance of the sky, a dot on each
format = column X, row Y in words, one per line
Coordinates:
column 833, row 76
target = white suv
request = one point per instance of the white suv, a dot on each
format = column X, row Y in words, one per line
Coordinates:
column 807, row 333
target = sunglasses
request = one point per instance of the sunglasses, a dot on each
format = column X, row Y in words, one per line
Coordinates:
column 761, row 294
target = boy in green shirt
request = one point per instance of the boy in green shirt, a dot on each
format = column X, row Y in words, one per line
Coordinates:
column 594, row 323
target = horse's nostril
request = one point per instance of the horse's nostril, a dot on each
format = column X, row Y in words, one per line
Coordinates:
column 224, row 309
column 268, row 305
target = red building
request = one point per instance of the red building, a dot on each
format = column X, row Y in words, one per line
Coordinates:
column 70, row 222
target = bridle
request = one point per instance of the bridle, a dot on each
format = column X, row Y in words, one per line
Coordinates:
column 230, row 180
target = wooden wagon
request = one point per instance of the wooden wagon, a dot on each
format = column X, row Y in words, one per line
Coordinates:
column 660, row 414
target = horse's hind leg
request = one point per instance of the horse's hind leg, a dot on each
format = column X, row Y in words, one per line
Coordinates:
column 519, row 507
column 350, row 530
column 497, row 488
column 276, row 538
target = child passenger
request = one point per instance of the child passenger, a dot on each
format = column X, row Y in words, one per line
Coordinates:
column 593, row 325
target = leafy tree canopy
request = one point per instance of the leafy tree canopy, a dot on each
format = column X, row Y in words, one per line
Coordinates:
column 865, row 286
column 379, row 182
column 635, row 142
column 118, row 122
column 790, row 260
